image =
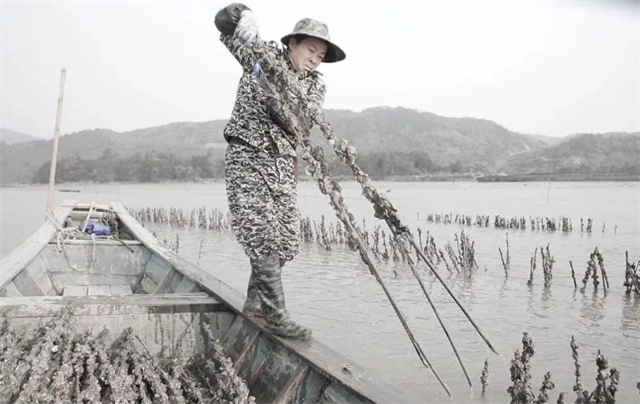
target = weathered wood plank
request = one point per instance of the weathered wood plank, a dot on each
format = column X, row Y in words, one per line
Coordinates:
column 324, row 360
column 99, row 290
column 276, row 374
column 100, row 242
column 37, row 271
column 175, row 281
column 288, row 393
column 240, row 335
column 18, row 259
column 245, row 354
column 48, row 306
column 113, row 259
column 165, row 283
column 148, row 285
column 46, row 285
column 75, row 291
column 36, row 267
column 185, row 285
column 82, row 279
column 121, row 290
column 254, row 359
column 11, row 290
column 159, row 332
column 86, row 206
column 311, row 388
column 157, row 269
column 220, row 323
column 27, row 285
column 336, row 394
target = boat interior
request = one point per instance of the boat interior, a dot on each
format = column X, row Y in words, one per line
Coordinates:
column 131, row 280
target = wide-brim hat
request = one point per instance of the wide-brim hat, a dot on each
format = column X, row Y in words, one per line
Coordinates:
column 317, row 29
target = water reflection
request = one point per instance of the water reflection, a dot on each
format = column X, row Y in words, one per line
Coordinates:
column 547, row 302
column 592, row 311
column 631, row 315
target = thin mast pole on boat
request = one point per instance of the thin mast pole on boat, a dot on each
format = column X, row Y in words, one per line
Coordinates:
column 56, row 136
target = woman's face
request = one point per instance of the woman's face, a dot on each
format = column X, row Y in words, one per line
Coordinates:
column 307, row 54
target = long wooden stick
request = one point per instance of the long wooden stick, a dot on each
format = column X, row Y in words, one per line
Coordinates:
column 401, row 242
column 86, row 220
column 56, row 136
column 366, row 257
column 455, row 299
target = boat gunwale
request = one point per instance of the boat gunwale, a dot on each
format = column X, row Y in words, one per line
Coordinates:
column 17, row 260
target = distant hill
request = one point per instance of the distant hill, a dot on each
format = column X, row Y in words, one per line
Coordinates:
column 547, row 140
column 446, row 140
column 582, row 153
column 390, row 141
column 11, row 137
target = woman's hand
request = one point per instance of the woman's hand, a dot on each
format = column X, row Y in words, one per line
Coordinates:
column 229, row 17
column 247, row 28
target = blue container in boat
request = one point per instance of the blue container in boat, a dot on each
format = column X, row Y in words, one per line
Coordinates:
column 97, row 228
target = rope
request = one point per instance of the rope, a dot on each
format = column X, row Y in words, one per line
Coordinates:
column 67, row 233
column 64, row 235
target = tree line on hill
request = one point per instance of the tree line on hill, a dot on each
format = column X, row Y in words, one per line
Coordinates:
column 158, row 167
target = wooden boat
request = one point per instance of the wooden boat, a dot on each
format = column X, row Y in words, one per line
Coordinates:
column 132, row 280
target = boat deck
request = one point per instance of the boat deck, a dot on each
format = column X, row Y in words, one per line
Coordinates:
column 97, row 290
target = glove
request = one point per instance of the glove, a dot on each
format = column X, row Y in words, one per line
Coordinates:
column 228, row 18
column 247, row 28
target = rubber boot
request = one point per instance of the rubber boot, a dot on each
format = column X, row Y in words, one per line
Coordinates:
column 252, row 305
column 267, row 277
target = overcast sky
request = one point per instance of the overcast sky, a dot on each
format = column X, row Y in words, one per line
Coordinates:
column 540, row 67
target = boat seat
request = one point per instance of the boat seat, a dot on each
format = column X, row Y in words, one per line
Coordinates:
column 170, row 303
column 97, row 290
column 75, row 291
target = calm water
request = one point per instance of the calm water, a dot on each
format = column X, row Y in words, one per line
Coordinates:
column 334, row 293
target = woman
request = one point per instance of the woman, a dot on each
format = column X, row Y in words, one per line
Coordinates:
column 260, row 161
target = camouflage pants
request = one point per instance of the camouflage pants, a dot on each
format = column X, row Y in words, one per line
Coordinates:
column 262, row 196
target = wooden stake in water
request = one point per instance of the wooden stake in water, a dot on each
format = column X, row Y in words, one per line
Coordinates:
column 573, row 275
column 56, row 135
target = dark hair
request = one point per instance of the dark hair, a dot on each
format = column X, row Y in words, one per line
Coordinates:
column 298, row 37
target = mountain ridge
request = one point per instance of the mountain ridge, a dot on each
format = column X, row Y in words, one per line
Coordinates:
column 466, row 144
column 9, row 136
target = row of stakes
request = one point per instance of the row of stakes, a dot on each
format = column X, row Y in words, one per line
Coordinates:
column 458, row 257
column 539, row 223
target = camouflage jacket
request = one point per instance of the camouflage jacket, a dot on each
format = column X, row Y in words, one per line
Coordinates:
column 250, row 119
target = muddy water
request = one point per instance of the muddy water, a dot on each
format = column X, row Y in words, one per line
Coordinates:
column 334, row 293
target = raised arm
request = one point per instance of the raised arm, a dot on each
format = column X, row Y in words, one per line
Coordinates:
column 239, row 32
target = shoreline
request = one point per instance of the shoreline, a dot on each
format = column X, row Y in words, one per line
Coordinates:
column 532, row 177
